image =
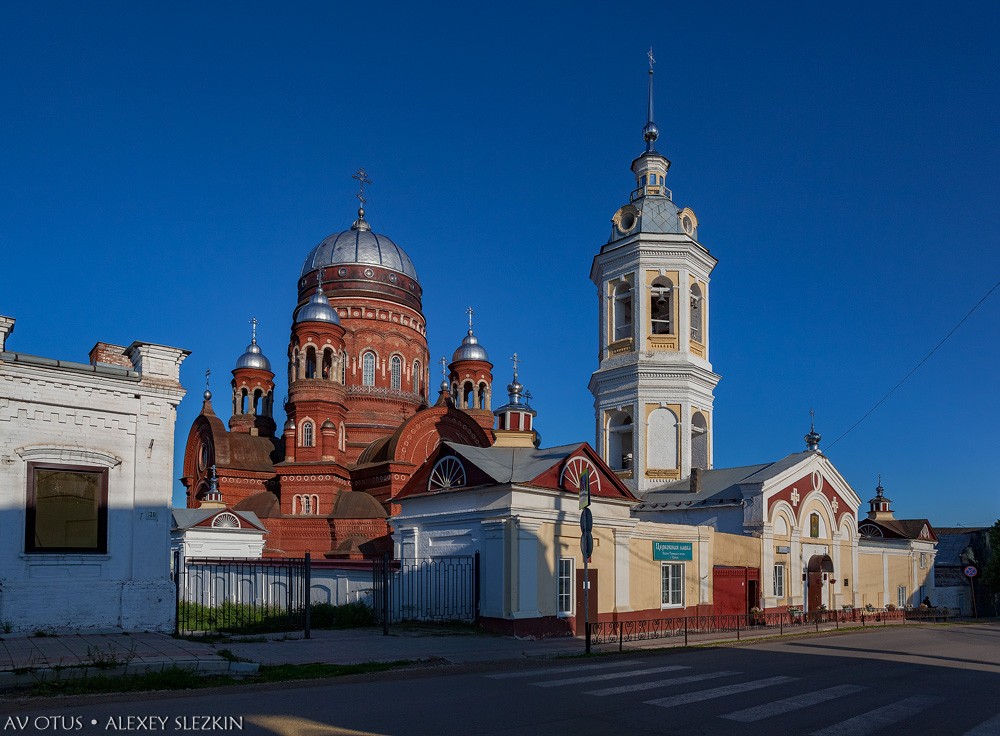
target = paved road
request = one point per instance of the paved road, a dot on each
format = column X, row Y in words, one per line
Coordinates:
column 921, row 680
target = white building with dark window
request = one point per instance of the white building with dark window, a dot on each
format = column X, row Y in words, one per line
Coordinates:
column 86, row 451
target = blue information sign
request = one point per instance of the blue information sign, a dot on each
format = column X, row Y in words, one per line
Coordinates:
column 672, row 551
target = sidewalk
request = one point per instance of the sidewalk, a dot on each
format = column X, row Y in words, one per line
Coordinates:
column 27, row 659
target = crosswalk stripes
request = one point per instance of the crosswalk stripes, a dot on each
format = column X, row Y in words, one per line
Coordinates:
column 719, row 692
column 560, row 670
column 873, row 720
column 787, row 705
column 660, row 683
column 986, row 728
column 610, row 676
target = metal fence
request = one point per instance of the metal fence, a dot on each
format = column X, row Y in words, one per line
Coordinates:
column 426, row 589
column 241, row 596
column 750, row 624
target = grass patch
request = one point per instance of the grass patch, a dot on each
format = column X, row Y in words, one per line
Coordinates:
column 179, row 679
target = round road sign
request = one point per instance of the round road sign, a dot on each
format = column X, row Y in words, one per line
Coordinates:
column 587, row 544
column 586, row 520
column 970, row 571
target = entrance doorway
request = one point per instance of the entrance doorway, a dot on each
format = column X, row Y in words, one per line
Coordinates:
column 819, row 565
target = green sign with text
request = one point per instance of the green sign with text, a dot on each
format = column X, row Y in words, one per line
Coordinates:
column 672, row 551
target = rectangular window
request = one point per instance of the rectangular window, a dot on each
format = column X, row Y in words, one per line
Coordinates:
column 67, row 509
column 672, row 585
column 923, row 560
column 779, row 580
column 901, row 596
column 814, row 525
column 566, row 568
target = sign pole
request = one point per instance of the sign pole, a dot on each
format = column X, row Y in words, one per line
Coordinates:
column 587, row 548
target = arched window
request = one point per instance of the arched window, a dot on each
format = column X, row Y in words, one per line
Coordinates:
column 343, row 368
column 660, row 306
column 416, row 377
column 468, row 396
column 483, row 398
column 310, row 362
column 697, row 316
column 814, row 525
column 244, row 401
column 342, row 439
column 257, row 396
column 395, row 372
column 620, row 447
column 295, row 368
column 661, row 444
column 307, row 434
column 448, row 472
column 621, row 311
column 226, row 520
column 699, row 441
column 327, row 364
column 368, row 369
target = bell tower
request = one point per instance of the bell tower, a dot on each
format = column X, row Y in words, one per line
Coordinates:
column 654, row 385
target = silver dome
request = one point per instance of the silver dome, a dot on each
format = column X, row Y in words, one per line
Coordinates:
column 253, row 358
column 470, row 349
column 359, row 245
column 318, row 309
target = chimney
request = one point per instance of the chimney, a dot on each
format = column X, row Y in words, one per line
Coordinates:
column 695, row 480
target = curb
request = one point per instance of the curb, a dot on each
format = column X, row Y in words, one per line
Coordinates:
column 29, row 676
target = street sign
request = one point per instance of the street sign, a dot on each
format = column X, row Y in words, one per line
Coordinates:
column 970, row 571
column 672, row 551
column 587, row 545
column 585, row 488
column 586, row 521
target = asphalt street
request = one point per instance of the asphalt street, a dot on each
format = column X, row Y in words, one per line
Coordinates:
column 914, row 680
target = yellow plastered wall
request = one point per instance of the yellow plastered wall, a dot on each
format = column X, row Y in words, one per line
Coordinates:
column 869, row 583
column 563, row 540
column 736, row 550
column 645, row 572
column 900, row 569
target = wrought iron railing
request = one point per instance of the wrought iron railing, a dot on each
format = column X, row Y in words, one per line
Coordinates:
column 426, row 589
column 740, row 625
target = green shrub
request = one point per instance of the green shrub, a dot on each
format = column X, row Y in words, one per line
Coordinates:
column 347, row 616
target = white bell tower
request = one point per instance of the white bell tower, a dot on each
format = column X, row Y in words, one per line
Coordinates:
column 653, row 390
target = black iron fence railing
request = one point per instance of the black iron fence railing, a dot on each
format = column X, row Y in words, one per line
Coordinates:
column 238, row 596
column 750, row 624
column 426, row 589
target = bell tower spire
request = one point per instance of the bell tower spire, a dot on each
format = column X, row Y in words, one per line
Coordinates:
column 654, row 386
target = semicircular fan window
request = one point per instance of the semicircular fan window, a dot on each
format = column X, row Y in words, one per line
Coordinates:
column 226, row 520
column 448, row 472
column 572, row 471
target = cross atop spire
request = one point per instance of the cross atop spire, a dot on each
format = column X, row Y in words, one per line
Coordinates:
column 470, row 311
column 812, row 439
column 362, row 178
column 254, row 323
column 208, row 372
column 649, row 131
column 444, row 368
column 514, row 360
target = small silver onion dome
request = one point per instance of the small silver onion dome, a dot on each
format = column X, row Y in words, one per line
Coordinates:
column 207, row 395
column 650, row 132
column 470, row 349
column 253, row 358
column 318, row 309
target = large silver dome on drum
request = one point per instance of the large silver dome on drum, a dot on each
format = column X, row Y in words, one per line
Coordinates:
column 359, row 245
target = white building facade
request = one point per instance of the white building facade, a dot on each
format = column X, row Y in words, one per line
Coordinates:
column 87, row 457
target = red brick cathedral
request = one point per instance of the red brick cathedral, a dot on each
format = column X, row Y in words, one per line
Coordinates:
column 360, row 416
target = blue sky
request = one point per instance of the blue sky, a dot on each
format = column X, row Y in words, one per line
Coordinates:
column 165, row 169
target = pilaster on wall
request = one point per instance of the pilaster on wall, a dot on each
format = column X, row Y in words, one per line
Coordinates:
column 493, row 574
column 525, row 570
column 623, row 540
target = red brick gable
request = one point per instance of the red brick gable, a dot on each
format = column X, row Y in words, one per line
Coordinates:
column 795, row 494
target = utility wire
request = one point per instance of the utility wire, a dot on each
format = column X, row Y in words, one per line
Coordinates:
column 917, row 366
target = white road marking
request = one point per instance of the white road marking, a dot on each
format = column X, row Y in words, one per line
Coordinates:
column 879, row 718
column 559, row 670
column 787, row 705
column 986, row 728
column 718, row 692
column 660, row 683
column 609, row 676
